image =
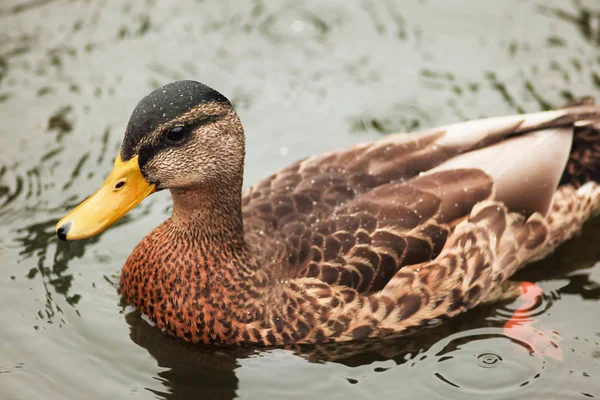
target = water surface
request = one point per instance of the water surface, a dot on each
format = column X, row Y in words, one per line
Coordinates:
column 305, row 77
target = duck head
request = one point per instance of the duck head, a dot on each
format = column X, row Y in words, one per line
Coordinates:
column 182, row 136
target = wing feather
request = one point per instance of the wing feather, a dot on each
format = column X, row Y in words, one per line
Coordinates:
column 355, row 217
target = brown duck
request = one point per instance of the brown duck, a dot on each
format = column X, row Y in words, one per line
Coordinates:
column 362, row 242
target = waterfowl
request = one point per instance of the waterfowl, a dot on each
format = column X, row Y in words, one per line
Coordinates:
column 367, row 241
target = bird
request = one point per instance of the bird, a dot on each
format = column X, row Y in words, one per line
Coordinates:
column 371, row 240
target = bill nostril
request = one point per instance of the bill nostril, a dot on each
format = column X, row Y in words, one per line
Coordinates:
column 62, row 230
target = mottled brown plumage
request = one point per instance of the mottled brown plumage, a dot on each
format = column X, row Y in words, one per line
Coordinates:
column 357, row 243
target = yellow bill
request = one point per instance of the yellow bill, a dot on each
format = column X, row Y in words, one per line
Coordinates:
column 124, row 189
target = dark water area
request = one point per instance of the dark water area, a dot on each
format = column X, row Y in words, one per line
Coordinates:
column 305, row 77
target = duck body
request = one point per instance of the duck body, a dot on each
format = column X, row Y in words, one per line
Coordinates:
column 367, row 241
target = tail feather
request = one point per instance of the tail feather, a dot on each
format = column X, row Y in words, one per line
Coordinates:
column 584, row 161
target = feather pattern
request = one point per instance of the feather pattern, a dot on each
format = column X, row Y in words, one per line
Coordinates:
column 379, row 238
column 393, row 234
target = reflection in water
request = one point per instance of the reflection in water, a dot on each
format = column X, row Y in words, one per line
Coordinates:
column 399, row 118
column 189, row 370
column 60, row 123
column 584, row 18
column 22, row 198
column 36, row 241
column 571, row 262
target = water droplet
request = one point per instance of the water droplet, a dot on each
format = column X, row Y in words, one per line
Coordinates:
column 489, row 360
column 293, row 23
column 298, row 26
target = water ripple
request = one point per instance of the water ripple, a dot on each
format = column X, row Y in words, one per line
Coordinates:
column 469, row 363
column 523, row 310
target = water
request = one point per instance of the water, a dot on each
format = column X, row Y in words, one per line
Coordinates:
column 305, row 77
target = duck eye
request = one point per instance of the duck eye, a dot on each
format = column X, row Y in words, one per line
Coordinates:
column 175, row 134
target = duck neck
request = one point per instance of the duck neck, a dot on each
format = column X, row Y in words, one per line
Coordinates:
column 211, row 221
column 210, row 216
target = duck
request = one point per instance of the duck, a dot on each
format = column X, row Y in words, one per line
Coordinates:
column 371, row 240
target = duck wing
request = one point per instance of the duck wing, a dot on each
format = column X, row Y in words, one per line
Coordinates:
column 355, row 217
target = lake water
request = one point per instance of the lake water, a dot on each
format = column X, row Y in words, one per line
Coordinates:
column 305, row 77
